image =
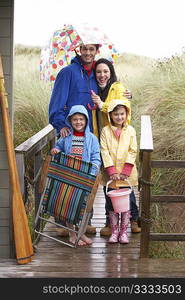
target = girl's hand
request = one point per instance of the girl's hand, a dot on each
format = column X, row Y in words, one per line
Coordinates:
column 96, row 99
column 123, row 177
column 54, row 151
column 115, row 177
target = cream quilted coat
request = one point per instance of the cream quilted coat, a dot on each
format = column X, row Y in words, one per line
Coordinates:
column 118, row 151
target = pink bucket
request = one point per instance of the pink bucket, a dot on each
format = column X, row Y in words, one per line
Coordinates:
column 120, row 198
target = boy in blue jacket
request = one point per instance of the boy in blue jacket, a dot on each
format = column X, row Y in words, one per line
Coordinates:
column 83, row 144
column 73, row 86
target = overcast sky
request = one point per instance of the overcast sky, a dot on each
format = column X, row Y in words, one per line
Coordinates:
column 152, row 28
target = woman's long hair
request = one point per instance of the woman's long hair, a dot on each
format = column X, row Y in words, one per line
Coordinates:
column 104, row 92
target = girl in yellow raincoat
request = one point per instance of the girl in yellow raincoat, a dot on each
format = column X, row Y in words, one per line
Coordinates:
column 119, row 151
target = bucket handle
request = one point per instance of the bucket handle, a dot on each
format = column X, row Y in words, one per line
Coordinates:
column 108, row 182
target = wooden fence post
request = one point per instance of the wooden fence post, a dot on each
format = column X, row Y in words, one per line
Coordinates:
column 21, row 172
column 146, row 148
column 37, row 164
column 145, row 204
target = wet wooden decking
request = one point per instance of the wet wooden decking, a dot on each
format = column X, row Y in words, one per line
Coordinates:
column 99, row 260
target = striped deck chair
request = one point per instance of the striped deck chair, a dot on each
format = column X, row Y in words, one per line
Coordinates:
column 67, row 189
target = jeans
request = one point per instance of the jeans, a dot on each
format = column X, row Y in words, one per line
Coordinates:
column 133, row 206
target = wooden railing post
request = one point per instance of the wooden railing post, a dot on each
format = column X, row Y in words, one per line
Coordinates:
column 21, row 172
column 37, row 165
column 145, row 203
column 32, row 150
column 146, row 148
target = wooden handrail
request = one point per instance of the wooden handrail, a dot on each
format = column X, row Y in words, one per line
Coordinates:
column 168, row 164
column 168, row 198
column 32, row 149
column 175, row 237
column 37, row 142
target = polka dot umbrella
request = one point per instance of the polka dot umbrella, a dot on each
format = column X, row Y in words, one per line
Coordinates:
column 64, row 45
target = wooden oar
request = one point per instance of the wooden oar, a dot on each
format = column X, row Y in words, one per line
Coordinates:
column 22, row 237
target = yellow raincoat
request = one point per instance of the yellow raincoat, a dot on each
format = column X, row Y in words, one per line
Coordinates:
column 118, row 151
column 115, row 92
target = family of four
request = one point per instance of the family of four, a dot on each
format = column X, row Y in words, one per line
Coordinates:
column 91, row 112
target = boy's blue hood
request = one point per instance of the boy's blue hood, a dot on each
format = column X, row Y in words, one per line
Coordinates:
column 81, row 110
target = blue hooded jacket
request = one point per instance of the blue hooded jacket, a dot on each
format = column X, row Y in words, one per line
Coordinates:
column 72, row 87
column 91, row 149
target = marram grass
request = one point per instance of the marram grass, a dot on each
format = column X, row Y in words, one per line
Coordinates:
column 31, row 98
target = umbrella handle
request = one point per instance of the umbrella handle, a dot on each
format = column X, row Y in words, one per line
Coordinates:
column 94, row 107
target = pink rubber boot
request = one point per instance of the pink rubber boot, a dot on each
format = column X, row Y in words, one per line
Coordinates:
column 114, row 221
column 125, row 218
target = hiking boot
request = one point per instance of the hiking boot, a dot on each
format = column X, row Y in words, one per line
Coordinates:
column 106, row 230
column 90, row 229
column 134, row 227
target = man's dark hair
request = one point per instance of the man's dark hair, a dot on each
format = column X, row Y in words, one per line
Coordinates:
column 103, row 93
column 96, row 45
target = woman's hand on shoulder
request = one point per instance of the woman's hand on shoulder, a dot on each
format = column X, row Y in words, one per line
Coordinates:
column 127, row 94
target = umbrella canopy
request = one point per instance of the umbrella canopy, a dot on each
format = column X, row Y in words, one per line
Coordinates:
column 64, row 45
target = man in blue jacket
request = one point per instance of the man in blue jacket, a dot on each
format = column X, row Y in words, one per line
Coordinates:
column 73, row 86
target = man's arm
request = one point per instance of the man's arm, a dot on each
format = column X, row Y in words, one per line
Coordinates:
column 58, row 100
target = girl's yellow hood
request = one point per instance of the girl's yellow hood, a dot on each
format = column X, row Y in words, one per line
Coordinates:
column 113, row 103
